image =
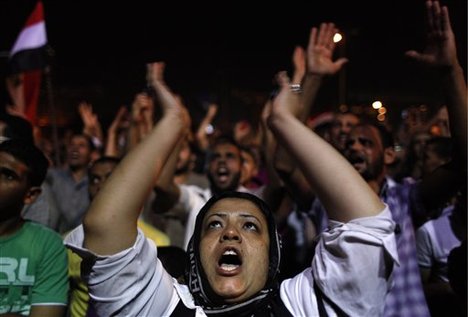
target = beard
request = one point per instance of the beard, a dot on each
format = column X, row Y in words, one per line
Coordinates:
column 369, row 170
column 231, row 186
column 373, row 171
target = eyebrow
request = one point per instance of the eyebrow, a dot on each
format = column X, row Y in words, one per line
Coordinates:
column 222, row 214
column 10, row 171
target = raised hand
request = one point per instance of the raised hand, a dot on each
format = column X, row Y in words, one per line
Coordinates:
column 120, row 122
column 288, row 100
column 91, row 124
column 201, row 135
column 299, row 63
column 440, row 50
column 320, row 51
column 167, row 99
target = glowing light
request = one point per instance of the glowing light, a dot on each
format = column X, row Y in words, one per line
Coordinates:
column 337, row 37
column 381, row 117
column 376, row 104
column 382, row 110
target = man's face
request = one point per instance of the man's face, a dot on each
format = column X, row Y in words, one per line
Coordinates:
column 78, row 152
column 341, row 128
column 234, row 249
column 225, row 167
column 98, row 174
column 364, row 150
column 13, row 185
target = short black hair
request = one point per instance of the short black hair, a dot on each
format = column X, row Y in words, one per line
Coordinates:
column 30, row 155
column 385, row 134
column 104, row 159
column 88, row 139
column 17, row 127
column 223, row 139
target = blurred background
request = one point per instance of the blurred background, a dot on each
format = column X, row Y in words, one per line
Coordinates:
column 227, row 52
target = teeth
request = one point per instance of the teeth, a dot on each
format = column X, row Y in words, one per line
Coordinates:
column 229, row 252
column 229, row 267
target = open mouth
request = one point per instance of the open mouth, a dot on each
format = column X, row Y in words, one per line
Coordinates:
column 74, row 155
column 356, row 159
column 223, row 174
column 229, row 260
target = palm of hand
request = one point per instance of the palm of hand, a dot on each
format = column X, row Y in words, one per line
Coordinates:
column 319, row 61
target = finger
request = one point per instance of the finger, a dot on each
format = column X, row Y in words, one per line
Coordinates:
column 312, row 37
column 282, row 79
column 436, row 13
column 430, row 15
column 321, row 40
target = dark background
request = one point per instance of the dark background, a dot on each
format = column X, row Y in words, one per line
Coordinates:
column 228, row 51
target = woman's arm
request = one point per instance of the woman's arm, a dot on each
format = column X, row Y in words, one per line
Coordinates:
column 111, row 222
column 340, row 188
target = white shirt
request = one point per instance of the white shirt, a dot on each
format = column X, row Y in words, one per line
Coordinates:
column 349, row 267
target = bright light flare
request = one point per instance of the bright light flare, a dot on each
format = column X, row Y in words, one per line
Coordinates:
column 337, row 37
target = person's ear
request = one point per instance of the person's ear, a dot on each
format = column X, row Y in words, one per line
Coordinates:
column 389, row 155
column 32, row 195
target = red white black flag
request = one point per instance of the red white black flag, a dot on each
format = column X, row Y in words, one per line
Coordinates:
column 28, row 52
column 26, row 61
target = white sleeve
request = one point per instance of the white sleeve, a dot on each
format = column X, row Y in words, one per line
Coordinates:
column 132, row 282
column 192, row 199
column 351, row 266
column 424, row 247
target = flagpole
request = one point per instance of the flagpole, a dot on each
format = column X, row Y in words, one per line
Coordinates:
column 53, row 113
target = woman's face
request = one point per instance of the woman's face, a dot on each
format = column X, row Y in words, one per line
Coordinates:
column 234, row 249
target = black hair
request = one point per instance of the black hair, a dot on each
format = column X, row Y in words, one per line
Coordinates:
column 385, row 134
column 91, row 144
column 225, row 139
column 17, row 127
column 30, row 155
column 104, row 159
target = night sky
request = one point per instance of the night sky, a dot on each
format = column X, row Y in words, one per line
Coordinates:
column 226, row 51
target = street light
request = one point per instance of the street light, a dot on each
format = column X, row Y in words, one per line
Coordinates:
column 339, row 38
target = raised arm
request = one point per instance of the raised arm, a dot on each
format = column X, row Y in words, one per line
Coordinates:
column 111, row 222
column 167, row 191
column 91, row 124
column 313, row 65
column 120, row 122
column 201, row 136
column 440, row 54
column 340, row 188
column 319, row 61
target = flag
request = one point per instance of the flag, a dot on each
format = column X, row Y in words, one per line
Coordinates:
column 29, row 50
column 27, row 59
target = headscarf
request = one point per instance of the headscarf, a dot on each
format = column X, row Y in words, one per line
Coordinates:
column 267, row 301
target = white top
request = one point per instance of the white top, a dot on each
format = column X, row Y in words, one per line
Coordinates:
column 349, row 267
column 434, row 240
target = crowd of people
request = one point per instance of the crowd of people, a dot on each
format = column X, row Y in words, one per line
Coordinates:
column 284, row 217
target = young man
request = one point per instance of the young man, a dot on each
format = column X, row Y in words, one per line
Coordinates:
column 33, row 260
